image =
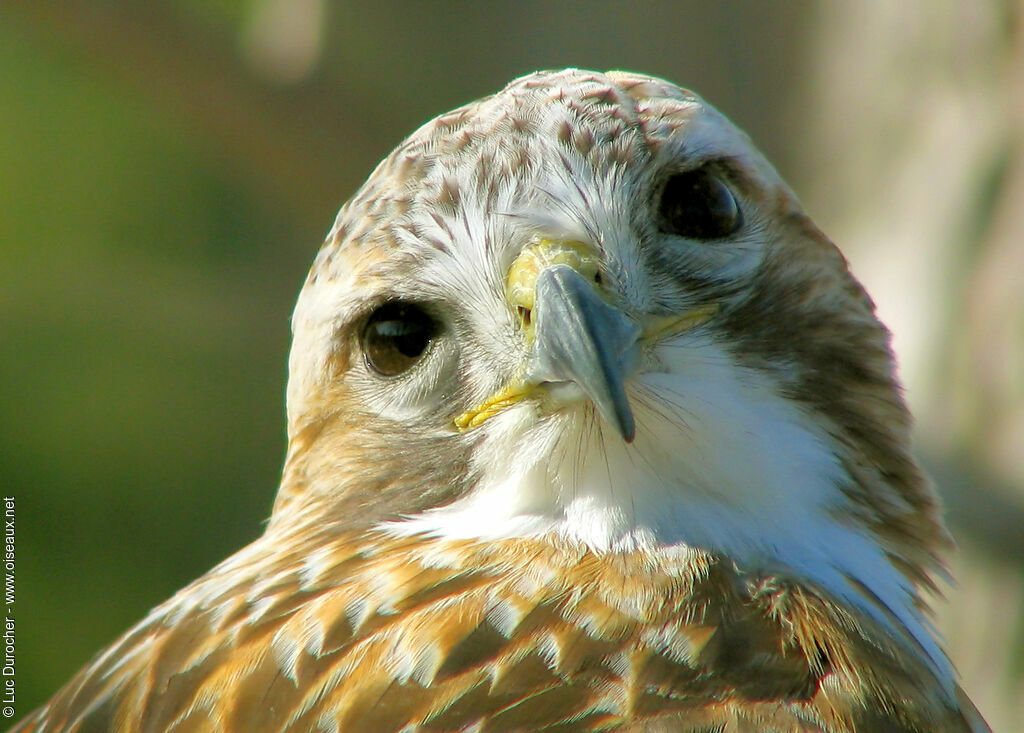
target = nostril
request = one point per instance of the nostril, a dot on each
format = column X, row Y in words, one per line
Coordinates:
column 525, row 314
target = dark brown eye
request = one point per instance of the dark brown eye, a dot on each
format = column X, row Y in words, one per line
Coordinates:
column 698, row 205
column 395, row 337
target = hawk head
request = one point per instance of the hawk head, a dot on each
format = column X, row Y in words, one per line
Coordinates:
column 590, row 428
column 587, row 307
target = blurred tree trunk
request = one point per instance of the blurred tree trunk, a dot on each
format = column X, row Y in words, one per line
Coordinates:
column 916, row 167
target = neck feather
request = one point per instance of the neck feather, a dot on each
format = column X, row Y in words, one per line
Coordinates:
column 721, row 462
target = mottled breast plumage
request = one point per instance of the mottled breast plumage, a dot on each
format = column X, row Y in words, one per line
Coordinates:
column 384, row 634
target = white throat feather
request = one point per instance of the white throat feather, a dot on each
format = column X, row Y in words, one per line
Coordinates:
column 721, row 462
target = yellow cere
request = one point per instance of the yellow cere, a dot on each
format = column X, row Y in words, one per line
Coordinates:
column 521, row 283
column 520, row 292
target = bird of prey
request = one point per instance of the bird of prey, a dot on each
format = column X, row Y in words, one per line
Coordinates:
column 590, row 429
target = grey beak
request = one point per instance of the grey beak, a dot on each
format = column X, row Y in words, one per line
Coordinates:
column 579, row 338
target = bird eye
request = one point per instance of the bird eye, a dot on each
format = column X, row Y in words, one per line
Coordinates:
column 698, row 205
column 395, row 337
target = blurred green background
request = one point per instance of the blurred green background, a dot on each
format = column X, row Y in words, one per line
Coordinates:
column 168, row 169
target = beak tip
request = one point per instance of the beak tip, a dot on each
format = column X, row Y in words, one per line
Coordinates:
column 627, row 428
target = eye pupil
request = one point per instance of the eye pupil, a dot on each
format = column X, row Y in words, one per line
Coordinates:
column 396, row 336
column 698, row 205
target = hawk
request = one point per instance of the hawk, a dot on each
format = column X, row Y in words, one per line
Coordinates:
column 590, row 429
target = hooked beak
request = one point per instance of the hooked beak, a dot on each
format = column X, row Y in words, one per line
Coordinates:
column 582, row 340
column 581, row 345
